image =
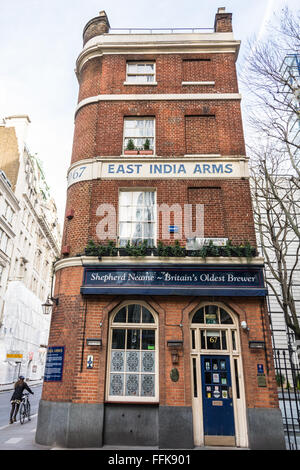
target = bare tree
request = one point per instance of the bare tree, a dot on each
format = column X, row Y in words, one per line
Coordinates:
column 273, row 83
column 278, row 241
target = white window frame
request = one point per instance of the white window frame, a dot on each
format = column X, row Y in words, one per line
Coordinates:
column 146, row 326
column 230, row 332
column 9, row 213
column 140, row 74
column 4, row 241
column 135, row 118
column 1, row 273
column 138, row 190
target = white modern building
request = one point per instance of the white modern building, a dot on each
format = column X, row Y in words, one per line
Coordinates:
column 33, row 243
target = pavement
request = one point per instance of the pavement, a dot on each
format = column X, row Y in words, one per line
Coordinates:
column 22, row 437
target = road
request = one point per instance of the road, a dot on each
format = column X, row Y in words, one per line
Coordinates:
column 16, row 436
column 5, row 403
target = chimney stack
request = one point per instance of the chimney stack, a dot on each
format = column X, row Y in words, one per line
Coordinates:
column 223, row 21
column 96, row 26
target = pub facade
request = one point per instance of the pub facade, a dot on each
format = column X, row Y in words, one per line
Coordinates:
column 160, row 332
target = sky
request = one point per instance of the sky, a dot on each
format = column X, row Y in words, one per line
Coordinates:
column 40, row 41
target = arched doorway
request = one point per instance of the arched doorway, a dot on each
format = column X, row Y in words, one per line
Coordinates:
column 219, row 412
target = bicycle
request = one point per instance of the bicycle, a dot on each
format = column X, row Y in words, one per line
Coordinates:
column 25, row 408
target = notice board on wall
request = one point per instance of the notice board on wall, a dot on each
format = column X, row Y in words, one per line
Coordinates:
column 54, row 364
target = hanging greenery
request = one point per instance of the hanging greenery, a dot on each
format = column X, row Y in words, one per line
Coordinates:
column 173, row 250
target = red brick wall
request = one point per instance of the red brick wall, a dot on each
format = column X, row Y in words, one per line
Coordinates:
column 201, row 134
column 76, row 319
column 99, row 127
column 227, row 210
column 214, row 212
column 201, row 69
column 107, row 74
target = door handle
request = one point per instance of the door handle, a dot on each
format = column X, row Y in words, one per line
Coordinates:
column 230, row 392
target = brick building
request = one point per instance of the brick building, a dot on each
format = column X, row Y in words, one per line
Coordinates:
column 159, row 333
column 30, row 240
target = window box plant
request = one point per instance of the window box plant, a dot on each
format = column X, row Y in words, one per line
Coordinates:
column 130, row 148
column 146, row 150
column 136, row 250
column 166, row 251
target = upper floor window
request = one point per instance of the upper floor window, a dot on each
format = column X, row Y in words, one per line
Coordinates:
column 4, row 241
column 9, row 213
column 137, row 217
column 140, row 72
column 1, row 272
column 139, row 133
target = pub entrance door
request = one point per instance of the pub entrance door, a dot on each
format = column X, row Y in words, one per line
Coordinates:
column 218, row 416
column 218, row 395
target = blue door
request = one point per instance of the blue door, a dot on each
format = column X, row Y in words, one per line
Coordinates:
column 218, row 419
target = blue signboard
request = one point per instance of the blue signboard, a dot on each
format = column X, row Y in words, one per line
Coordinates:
column 54, row 364
column 260, row 368
column 230, row 280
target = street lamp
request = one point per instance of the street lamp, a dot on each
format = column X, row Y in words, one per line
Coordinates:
column 47, row 306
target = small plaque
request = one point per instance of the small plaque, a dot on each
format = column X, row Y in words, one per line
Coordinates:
column 174, row 374
column 217, row 403
column 261, row 380
column 90, row 362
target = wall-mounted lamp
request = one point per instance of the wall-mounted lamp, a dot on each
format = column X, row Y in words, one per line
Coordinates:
column 257, row 345
column 47, row 306
column 244, row 326
column 65, row 250
column 94, row 342
column 70, row 214
column 175, row 346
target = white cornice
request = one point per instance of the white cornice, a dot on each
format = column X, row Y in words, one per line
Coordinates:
column 94, row 261
column 159, row 97
column 157, row 44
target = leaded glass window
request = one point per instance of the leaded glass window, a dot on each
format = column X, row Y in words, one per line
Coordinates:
column 213, row 329
column 212, row 315
column 133, row 355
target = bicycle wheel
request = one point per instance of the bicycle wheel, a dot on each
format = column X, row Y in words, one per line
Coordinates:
column 28, row 411
column 22, row 413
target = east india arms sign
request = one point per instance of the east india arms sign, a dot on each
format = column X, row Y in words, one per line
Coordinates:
column 174, row 280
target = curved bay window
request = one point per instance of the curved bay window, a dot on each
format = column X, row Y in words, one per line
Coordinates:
column 214, row 330
column 133, row 355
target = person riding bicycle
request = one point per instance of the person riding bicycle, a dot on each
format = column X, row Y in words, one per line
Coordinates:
column 16, row 398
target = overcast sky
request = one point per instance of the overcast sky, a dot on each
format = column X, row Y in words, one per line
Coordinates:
column 41, row 39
